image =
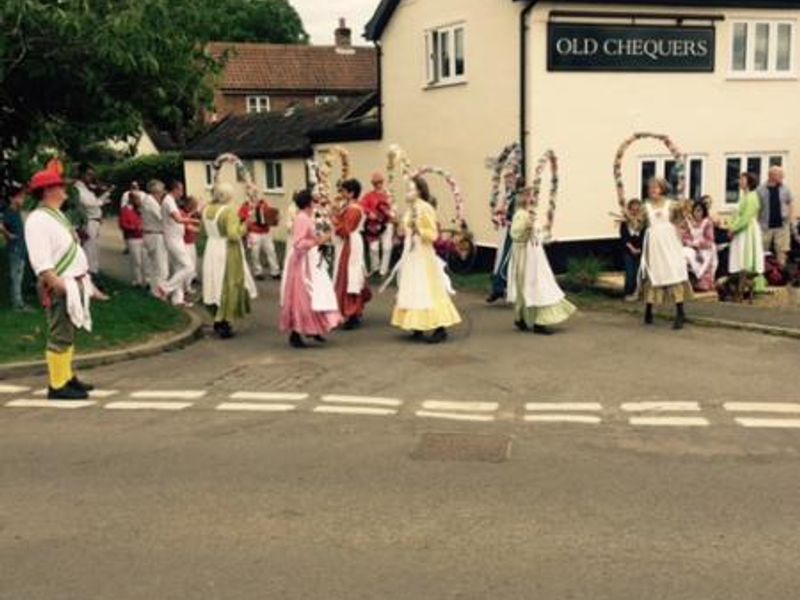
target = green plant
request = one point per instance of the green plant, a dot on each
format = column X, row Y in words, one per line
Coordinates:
column 582, row 273
column 166, row 166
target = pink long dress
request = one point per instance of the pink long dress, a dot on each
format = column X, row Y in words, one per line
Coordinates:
column 297, row 308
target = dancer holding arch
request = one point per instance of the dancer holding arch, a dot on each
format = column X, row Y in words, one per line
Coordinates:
column 539, row 303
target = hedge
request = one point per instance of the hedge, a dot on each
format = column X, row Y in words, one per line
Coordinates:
column 165, row 167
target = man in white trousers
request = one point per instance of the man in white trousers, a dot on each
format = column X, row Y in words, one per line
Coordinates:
column 130, row 221
column 180, row 263
column 155, row 253
column 259, row 237
column 93, row 208
column 379, row 227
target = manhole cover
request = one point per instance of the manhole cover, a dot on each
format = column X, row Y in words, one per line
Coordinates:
column 463, row 447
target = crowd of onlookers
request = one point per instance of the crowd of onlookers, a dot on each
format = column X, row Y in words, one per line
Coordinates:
column 707, row 239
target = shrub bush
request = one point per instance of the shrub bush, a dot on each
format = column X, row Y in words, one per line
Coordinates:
column 166, row 166
column 583, row 273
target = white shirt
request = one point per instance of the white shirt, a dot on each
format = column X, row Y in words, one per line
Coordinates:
column 151, row 215
column 92, row 205
column 172, row 229
column 48, row 241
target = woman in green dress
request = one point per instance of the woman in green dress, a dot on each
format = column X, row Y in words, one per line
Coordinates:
column 747, row 249
column 228, row 285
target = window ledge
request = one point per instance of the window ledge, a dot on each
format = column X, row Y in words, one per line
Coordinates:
column 275, row 192
column 761, row 77
column 444, row 84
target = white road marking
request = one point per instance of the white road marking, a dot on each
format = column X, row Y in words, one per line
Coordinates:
column 127, row 405
column 255, row 407
column 774, row 407
column 336, row 399
column 447, row 405
column 169, row 394
column 13, row 389
column 355, row 410
column 92, row 394
column 768, row 423
column 268, row 396
column 427, row 414
column 670, row 421
column 566, row 406
column 660, row 407
column 67, row 404
column 587, row 419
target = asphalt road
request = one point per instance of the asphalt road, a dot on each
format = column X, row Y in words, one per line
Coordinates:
column 639, row 497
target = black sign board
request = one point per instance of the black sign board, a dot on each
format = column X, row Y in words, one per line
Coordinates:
column 598, row 47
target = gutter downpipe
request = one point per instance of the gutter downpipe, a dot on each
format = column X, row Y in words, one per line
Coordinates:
column 379, row 61
column 523, row 88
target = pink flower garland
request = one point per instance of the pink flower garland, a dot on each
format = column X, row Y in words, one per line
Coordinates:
column 509, row 161
column 241, row 171
column 547, row 159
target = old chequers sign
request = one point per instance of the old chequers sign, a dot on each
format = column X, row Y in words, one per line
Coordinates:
column 597, row 47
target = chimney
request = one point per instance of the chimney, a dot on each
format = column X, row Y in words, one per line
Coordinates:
column 343, row 35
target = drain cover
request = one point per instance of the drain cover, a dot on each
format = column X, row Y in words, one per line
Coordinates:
column 463, row 447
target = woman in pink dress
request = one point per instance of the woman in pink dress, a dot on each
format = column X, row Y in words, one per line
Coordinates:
column 308, row 301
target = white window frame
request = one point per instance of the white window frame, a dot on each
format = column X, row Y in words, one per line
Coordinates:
column 325, row 99
column 749, row 72
column 277, row 176
column 257, row 104
column 743, row 158
column 433, row 59
column 661, row 161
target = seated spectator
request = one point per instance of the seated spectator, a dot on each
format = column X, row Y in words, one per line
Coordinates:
column 631, row 233
column 700, row 249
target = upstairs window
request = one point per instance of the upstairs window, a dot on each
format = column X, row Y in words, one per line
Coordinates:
column 762, row 49
column 257, row 104
column 445, row 53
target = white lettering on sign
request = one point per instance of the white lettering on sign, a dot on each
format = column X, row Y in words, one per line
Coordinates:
column 577, row 46
column 642, row 47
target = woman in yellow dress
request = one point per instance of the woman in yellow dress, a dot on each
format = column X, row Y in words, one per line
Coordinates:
column 424, row 289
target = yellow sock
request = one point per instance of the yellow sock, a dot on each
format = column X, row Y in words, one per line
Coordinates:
column 58, row 365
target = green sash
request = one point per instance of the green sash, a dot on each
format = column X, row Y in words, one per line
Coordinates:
column 65, row 262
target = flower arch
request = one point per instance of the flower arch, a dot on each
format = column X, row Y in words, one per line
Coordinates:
column 508, row 161
column 679, row 157
column 548, row 159
column 241, row 171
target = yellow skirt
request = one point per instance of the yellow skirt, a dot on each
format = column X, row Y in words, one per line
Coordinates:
column 442, row 314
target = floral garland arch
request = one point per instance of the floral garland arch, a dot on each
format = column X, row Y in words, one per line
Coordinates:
column 326, row 171
column 508, row 161
column 550, row 159
column 680, row 166
column 397, row 159
column 241, row 171
column 452, row 184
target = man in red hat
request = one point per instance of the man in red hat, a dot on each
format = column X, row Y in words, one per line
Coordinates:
column 59, row 262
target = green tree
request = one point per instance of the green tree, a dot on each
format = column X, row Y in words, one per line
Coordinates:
column 273, row 21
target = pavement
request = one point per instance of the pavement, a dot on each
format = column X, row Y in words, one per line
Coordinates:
column 609, row 461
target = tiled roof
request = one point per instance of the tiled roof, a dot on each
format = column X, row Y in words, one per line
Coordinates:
column 296, row 67
column 268, row 135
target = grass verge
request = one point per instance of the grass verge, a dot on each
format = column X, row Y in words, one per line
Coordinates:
column 131, row 316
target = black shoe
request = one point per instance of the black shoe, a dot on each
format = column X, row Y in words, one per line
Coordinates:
column 679, row 322
column 223, row 330
column 521, row 325
column 352, row 323
column 80, row 385
column 542, row 330
column 319, row 338
column 276, row 277
column 66, row 393
column 259, row 278
column 295, row 341
column 417, row 335
column 648, row 315
column 493, row 297
column 438, row 336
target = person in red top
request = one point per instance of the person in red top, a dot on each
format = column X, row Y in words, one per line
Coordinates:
column 259, row 237
column 350, row 273
column 379, row 228
column 130, row 221
column 191, row 210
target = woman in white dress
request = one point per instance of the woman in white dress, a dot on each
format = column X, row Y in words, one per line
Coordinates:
column 663, row 272
column 539, row 302
column 227, row 283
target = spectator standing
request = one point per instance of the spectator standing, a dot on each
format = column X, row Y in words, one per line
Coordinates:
column 14, row 232
column 130, row 221
column 92, row 206
column 776, row 215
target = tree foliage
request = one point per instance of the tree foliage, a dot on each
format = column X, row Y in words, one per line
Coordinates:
column 74, row 72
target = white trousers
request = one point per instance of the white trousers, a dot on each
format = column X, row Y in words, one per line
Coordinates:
column 260, row 245
column 136, row 256
column 181, row 270
column 156, row 267
column 191, row 250
column 380, row 251
column 90, row 246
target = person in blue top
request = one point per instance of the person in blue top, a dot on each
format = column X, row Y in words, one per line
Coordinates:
column 14, row 232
